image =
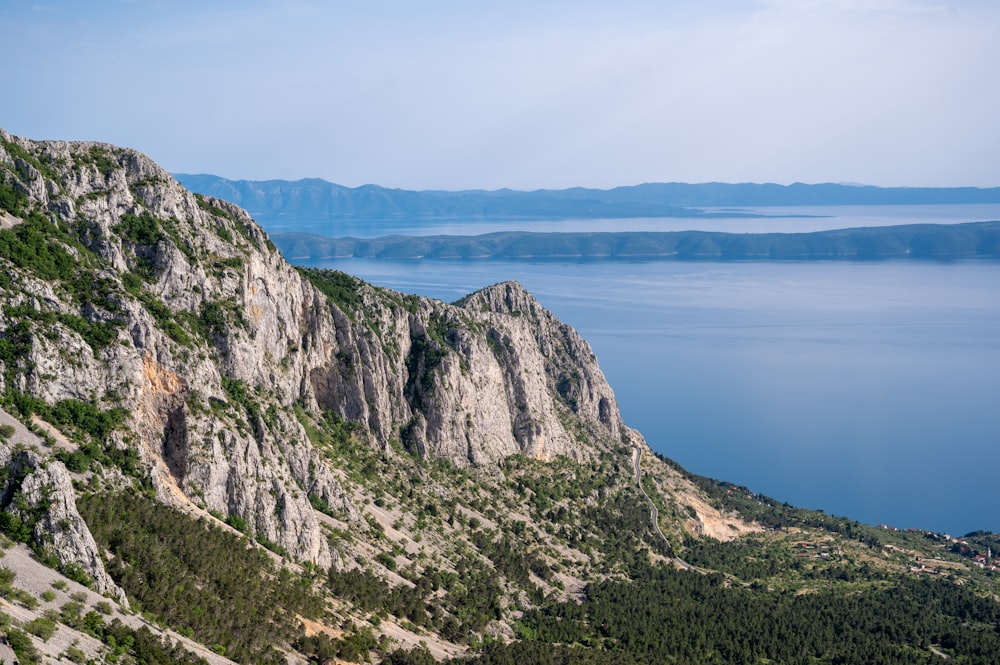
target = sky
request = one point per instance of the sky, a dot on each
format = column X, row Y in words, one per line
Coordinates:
column 464, row 94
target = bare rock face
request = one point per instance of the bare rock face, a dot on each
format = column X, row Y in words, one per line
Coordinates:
column 554, row 360
column 500, row 375
column 219, row 348
column 39, row 494
column 196, row 356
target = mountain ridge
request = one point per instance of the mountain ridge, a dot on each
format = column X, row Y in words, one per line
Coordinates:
column 972, row 240
column 317, row 198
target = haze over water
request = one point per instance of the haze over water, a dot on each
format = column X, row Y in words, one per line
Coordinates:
column 863, row 389
column 775, row 219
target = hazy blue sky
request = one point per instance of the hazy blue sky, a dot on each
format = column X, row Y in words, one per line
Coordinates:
column 523, row 94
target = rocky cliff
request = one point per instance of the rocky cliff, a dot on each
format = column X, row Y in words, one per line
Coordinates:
column 141, row 317
column 38, row 499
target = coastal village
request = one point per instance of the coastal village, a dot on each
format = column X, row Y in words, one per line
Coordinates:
column 975, row 550
column 986, row 560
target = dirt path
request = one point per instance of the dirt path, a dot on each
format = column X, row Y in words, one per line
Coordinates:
column 938, row 652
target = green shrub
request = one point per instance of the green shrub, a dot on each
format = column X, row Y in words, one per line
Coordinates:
column 71, row 614
column 22, row 646
column 142, row 229
column 387, row 560
column 42, row 627
column 35, row 245
column 103, row 160
column 12, row 200
column 6, row 579
column 75, row 655
column 341, row 288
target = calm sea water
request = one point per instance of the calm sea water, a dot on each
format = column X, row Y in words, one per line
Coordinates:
column 863, row 389
column 777, row 220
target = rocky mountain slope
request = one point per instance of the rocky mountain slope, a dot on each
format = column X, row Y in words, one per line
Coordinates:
column 163, row 344
column 270, row 464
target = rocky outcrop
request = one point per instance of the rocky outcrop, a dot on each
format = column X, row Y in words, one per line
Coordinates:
column 549, row 348
column 217, row 341
column 38, row 496
column 501, row 375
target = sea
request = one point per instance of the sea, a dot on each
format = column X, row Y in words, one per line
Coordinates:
column 865, row 389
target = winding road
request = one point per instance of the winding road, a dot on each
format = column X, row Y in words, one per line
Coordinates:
column 654, row 513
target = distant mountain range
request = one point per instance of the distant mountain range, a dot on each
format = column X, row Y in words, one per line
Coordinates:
column 933, row 241
column 316, row 198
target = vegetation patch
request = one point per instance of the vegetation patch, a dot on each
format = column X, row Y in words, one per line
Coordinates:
column 663, row 615
column 12, row 199
column 97, row 334
column 102, row 158
column 208, row 582
column 146, row 231
column 39, row 246
column 72, row 416
column 343, row 289
column 212, row 209
column 776, row 514
column 142, row 229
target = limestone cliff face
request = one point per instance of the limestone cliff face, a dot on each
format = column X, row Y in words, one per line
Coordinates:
column 216, row 341
column 516, row 380
column 39, row 495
